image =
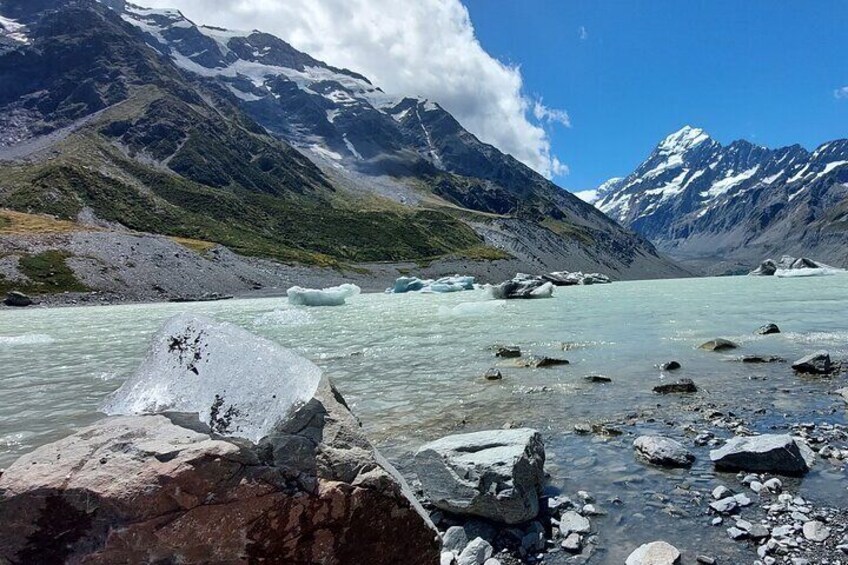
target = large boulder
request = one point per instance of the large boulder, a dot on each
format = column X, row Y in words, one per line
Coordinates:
column 817, row 363
column 663, row 451
column 495, row 474
column 175, row 488
column 17, row 300
column 768, row 453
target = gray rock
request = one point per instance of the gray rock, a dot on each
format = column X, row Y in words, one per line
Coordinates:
column 492, row 375
column 492, row 561
column 572, row 522
column 761, row 359
column 721, row 491
column 17, row 300
column 670, row 366
column 736, row 533
column 654, row 553
column 447, row 558
column 817, row 363
column 600, row 379
column 538, row 362
column 718, row 345
column 559, row 503
column 725, row 505
column 507, row 351
column 663, row 451
column 680, row 387
column 572, row 542
column 768, row 329
column 476, row 552
column 773, row 485
column 769, row 453
column 454, row 539
column 495, row 474
column 758, row 532
column 815, row 530
column 843, row 392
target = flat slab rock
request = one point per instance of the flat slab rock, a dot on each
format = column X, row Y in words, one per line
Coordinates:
column 768, row 453
column 663, row 451
column 654, row 553
column 495, row 474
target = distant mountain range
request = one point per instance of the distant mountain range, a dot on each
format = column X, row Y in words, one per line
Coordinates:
column 140, row 118
column 725, row 208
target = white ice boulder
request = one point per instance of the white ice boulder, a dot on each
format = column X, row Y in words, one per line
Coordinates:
column 333, row 296
column 240, row 384
column 455, row 283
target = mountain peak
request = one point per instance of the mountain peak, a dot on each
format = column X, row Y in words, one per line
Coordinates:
column 683, row 140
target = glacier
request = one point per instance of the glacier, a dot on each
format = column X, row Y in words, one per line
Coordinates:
column 333, row 296
column 240, row 384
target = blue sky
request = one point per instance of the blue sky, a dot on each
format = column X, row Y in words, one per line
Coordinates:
column 629, row 73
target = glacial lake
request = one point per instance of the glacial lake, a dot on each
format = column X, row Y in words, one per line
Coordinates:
column 410, row 366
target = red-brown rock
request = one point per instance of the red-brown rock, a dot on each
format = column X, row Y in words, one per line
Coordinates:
column 150, row 489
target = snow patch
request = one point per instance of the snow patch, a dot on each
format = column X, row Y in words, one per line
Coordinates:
column 13, row 30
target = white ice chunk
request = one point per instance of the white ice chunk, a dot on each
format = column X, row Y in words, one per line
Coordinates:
column 240, row 384
column 455, row 283
column 334, row 296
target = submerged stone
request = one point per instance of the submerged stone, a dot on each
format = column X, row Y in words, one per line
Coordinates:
column 768, row 329
column 681, row 386
column 718, row 345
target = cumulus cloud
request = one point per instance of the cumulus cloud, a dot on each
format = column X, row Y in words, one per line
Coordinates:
column 426, row 48
column 841, row 93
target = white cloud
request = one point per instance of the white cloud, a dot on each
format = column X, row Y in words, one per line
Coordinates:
column 550, row 115
column 582, row 33
column 426, row 48
column 841, row 92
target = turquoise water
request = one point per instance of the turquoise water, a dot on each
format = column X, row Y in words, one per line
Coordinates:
column 410, row 368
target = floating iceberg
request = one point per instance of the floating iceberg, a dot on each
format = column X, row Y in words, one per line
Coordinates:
column 564, row 278
column 240, row 384
column 790, row 267
column 456, row 283
column 522, row 287
column 334, row 296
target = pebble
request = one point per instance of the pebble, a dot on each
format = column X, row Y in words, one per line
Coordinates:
column 815, row 530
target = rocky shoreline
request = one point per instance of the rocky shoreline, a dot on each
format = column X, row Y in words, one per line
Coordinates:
column 465, row 498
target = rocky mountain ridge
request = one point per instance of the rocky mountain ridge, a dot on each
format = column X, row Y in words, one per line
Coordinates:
column 141, row 119
column 702, row 201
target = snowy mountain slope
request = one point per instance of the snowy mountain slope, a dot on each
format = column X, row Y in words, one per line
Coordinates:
column 697, row 199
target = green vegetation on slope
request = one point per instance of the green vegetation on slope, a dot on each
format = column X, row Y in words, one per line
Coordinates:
column 48, row 273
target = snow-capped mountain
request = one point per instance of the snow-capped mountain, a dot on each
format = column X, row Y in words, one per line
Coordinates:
column 700, row 200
